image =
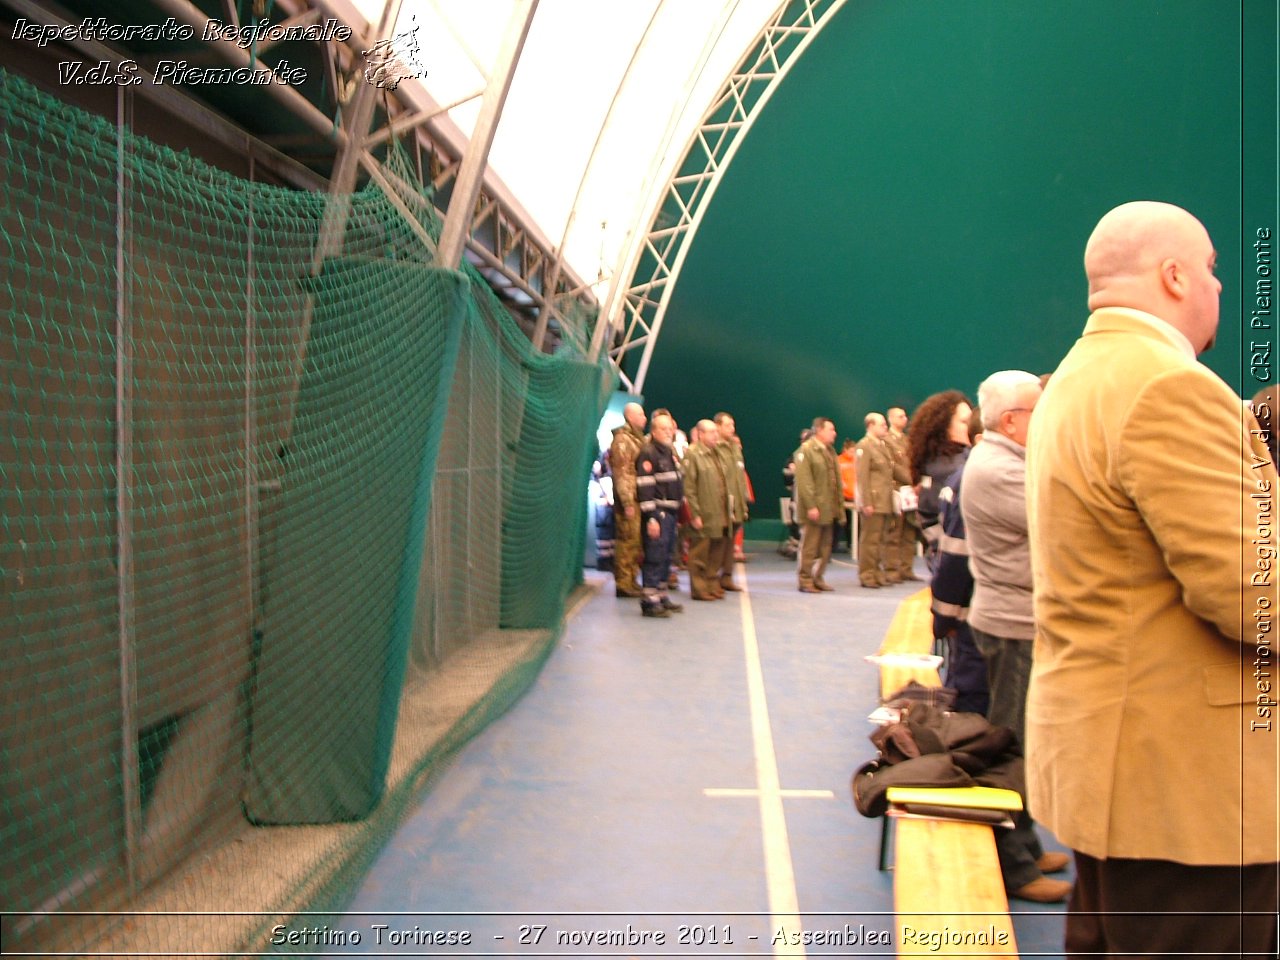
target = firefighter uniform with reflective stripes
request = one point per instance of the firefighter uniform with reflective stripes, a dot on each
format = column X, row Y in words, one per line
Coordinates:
column 659, row 491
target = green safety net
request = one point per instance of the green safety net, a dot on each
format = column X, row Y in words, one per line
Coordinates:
column 280, row 532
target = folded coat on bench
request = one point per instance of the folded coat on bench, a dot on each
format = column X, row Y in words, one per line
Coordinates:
column 930, row 748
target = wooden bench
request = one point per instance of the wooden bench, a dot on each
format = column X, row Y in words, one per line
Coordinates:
column 910, row 632
column 947, row 889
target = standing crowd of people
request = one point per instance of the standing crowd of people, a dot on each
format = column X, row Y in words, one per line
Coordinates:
column 1103, row 583
column 1100, row 542
column 677, row 500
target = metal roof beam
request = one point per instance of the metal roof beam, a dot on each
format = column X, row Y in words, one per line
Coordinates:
column 211, row 124
column 300, row 106
column 457, row 223
column 765, row 59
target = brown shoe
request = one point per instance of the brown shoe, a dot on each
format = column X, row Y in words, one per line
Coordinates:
column 632, row 593
column 1053, row 862
column 872, row 586
column 824, row 587
column 809, row 588
column 703, row 596
column 911, row 576
column 718, row 594
column 1043, row 890
column 732, row 587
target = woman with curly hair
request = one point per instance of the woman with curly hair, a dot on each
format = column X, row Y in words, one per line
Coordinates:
column 937, row 444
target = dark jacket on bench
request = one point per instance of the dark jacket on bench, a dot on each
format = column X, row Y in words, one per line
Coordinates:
column 930, row 748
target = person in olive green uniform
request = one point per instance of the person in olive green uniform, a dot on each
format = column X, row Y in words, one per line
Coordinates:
column 735, row 477
column 819, row 504
column 627, row 441
column 876, row 482
column 706, row 492
column 900, row 539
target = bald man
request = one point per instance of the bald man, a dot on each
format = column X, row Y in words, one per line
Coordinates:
column 627, row 441
column 1148, row 752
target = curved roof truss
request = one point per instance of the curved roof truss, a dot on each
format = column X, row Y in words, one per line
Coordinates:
column 631, row 316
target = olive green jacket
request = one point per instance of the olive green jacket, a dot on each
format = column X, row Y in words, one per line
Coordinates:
column 706, row 490
column 735, row 478
column 818, row 483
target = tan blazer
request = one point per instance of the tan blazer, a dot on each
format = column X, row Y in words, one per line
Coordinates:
column 1145, row 735
column 876, row 474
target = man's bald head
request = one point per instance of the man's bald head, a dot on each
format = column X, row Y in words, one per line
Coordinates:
column 1158, row 258
column 708, row 432
column 633, row 413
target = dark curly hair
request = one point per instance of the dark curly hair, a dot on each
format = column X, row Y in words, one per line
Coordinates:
column 927, row 439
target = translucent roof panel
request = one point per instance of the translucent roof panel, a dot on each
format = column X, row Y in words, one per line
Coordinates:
column 601, row 106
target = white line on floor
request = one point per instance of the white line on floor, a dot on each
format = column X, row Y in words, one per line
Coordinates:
column 787, row 794
column 779, row 874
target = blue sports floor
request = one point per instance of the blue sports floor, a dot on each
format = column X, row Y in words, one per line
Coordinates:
column 666, row 788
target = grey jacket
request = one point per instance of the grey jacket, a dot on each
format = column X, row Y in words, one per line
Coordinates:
column 993, row 499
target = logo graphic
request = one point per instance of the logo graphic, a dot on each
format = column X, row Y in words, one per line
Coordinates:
column 394, row 59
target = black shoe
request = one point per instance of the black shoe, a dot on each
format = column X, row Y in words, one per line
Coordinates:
column 672, row 606
column 655, row 611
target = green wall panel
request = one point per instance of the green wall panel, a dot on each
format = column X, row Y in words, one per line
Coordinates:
column 909, row 212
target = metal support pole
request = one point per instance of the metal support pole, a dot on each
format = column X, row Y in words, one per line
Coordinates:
column 130, row 793
column 343, row 180
column 250, row 419
column 457, row 223
column 540, row 332
column 338, row 206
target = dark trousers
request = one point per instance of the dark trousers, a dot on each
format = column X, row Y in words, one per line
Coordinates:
column 1018, row 850
column 967, row 672
column 658, row 551
column 1130, row 908
column 1008, row 676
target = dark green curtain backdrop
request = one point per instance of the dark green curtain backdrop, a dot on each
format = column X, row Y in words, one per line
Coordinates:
column 909, row 212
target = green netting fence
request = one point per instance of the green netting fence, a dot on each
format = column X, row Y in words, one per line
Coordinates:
column 277, row 537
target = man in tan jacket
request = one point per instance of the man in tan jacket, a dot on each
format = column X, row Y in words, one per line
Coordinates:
column 1152, row 736
column 879, row 472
